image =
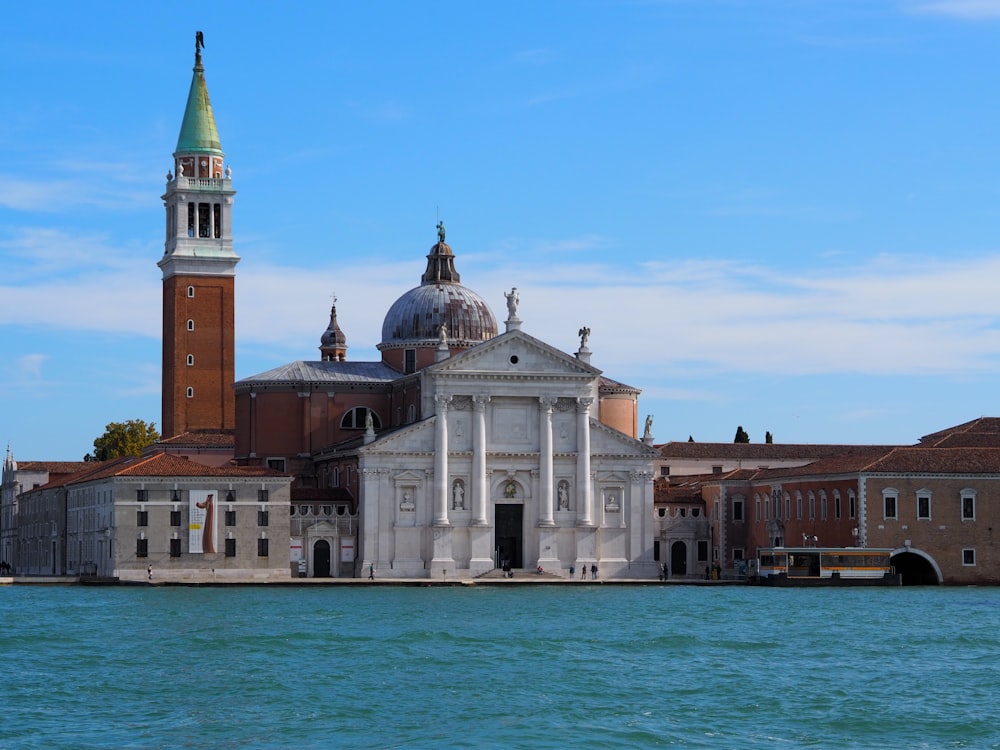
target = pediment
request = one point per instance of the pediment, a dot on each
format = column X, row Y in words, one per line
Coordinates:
column 608, row 441
column 512, row 354
column 414, row 438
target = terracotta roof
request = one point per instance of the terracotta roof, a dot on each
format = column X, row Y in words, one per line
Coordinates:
column 919, row 460
column 607, row 385
column 763, row 451
column 979, row 433
column 53, row 467
column 158, row 465
column 201, row 439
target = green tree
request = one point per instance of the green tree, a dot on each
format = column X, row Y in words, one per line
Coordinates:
column 741, row 435
column 123, row 439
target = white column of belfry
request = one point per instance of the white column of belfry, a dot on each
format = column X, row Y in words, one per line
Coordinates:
column 441, row 461
column 545, row 461
column 584, row 493
column 480, row 493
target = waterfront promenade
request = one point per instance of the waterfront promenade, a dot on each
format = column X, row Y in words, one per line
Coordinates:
column 520, row 579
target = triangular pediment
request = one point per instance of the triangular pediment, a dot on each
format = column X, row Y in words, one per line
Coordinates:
column 608, row 441
column 414, row 438
column 515, row 353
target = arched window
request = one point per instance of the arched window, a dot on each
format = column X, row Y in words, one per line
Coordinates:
column 356, row 419
column 190, row 324
column 190, row 392
column 190, row 360
column 190, row 291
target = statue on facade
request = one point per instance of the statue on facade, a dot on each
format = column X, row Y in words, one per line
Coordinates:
column 584, row 334
column 563, row 496
column 458, row 495
column 648, row 432
column 512, row 302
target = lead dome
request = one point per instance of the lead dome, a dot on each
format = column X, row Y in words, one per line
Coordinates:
column 415, row 319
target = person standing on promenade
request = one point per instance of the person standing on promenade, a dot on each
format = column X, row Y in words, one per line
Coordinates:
column 149, row 572
column 371, row 571
column 593, row 571
column 572, row 572
column 583, row 572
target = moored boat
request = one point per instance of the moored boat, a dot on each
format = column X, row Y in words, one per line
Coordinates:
column 825, row 566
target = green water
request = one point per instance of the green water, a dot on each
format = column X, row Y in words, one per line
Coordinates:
column 546, row 667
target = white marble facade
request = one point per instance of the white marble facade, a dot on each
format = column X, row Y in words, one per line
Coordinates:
column 513, row 464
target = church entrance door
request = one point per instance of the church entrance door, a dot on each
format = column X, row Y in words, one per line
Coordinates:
column 321, row 559
column 509, row 527
column 678, row 559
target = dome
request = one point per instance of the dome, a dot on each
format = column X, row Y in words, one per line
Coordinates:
column 415, row 319
column 417, row 316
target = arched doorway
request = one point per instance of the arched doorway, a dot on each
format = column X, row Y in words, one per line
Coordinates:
column 916, row 569
column 321, row 559
column 678, row 559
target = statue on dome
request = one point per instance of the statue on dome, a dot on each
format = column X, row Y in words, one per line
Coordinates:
column 512, row 301
column 440, row 228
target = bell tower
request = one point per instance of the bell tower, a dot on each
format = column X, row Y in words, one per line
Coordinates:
column 199, row 270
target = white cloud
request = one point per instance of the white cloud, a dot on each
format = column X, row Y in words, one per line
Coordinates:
column 893, row 315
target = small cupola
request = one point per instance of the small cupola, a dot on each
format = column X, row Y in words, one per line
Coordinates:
column 333, row 342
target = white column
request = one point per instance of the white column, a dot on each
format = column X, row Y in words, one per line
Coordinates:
column 584, row 490
column 480, row 493
column 545, row 461
column 441, row 461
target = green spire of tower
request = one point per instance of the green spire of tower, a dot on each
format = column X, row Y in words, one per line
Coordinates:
column 198, row 132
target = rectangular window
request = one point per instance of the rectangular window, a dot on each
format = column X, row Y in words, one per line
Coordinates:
column 890, row 506
column 812, row 507
column 716, row 469
column 230, row 518
column 757, row 509
column 968, row 508
column 798, row 507
column 702, row 551
column 822, row 508
column 217, row 220
column 142, row 548
column 278, row 464
column 262, row 496
column 409, row 361
column 923, row 507
column 190, row 220
column 262, row 547
column 664, row 471
column 140, row 496
column 737, row 510
column 142, row 518
column 175, row 547
column 737, row 553
column 262, row 516
column 836, row 507
column 230, row 548
column 656, row 550
column 968, row 557
column 175, row 518
column 852, row 506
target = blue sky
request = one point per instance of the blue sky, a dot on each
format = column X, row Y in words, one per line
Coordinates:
column 783, row 215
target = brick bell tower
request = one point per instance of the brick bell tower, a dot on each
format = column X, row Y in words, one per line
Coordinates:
column 199, row 269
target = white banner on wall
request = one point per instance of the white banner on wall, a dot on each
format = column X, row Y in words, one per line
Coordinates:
column 346, row 550
column 201, row 527
column 295, row 548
